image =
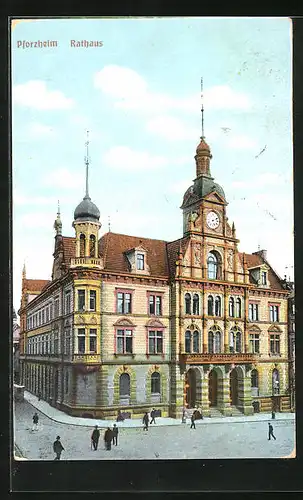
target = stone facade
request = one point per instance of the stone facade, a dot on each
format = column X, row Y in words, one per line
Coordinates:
column 130, row 323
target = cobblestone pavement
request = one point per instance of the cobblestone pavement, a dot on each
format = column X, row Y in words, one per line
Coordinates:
column 208, row 440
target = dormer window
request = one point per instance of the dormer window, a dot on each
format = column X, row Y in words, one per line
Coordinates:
column 264, row 278
column 140, row 261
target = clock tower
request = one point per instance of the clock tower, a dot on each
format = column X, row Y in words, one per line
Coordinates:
column 206, row 226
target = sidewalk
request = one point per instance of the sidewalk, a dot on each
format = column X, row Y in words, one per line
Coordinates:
column 63, row 418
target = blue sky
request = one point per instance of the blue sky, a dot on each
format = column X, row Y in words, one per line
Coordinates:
column 139, row 95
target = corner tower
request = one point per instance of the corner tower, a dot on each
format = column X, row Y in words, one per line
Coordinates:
column 86, row 224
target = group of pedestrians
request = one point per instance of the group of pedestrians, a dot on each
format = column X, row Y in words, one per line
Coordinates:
column 110, row 437
column 146, row 421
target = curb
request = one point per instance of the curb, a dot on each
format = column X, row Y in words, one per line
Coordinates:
column 205, row 421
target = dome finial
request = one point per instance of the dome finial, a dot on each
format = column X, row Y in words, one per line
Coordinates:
column 86, row 159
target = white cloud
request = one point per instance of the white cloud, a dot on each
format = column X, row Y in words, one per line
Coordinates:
column 271, row 178
column 180, row 187
column 241, row 142
column 122, row 157
column 64, row 178
column 170, row 128
column 34, row 94
column 130, row 91
column 37, row 220
column 37, row 130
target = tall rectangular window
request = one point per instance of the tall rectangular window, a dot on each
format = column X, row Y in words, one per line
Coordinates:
column 92, row 340
column 274, row 313
column 51, row 311
column 274, row 343
column 81, row 340
column 254, row 342
column 155, row 305
column 43, row 316
column 253, row 312
column 67, row 341
column 47, row 314
column 56, row 308
column 124, row 341
column 124, row 302
column 92, row 300
column 155, row 342
column 81, row 300
column 263, row 278
column 140, row 261
column 67, row 302
column 56, row 343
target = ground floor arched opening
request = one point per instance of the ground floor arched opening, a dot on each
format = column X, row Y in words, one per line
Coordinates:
column 233, row 387
column 213, row 388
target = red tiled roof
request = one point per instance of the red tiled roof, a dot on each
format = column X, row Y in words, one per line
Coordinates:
column 35, row 285
column 69, row 248
column 173, row 249
column 255, row 260
column 112, row 248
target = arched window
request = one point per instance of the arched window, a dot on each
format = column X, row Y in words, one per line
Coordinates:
column 218, row 306
column 82, row 245
column 238, row 308
column 235, row 340
column 155, row 383
column 210, row 342
column 217, row 343
column 196, row 341
column 214, row 341
column 187, row 303
column 231, row 307
column 238, row 341
column 187, row 341
column 196, row 304
column 212, row 266
column 275, row 382
column 124, row 384
column 254, row 378
column 210, row 306
column 92, row 246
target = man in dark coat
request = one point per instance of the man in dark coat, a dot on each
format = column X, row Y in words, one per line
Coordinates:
column 270, row 431
column 108, row 437
column 95, row 437
column 145, row 421
column 58, row 448
column 153, row 414
column 115, row 435
column 193, row 425
column 35, row 421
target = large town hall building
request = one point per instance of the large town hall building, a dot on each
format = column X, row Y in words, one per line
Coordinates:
column 129, row 323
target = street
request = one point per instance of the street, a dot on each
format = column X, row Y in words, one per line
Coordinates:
column 208, row 440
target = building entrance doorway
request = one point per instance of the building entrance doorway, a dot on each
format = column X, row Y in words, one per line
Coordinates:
column 56, row 384
column 191, row 388
column 234, row 387
column 213, row 388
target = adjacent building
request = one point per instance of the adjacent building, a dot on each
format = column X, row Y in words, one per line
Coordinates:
column 129, row 323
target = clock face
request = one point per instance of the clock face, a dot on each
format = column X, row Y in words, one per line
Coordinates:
column 212, row 220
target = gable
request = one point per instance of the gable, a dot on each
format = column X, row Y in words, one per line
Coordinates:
column 215, row 198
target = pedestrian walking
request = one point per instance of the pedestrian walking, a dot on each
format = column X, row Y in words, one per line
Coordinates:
column 270, row 431
column 58, row 448
column 35, row 422
column 95, row 438
column 145, row 421
column 115, row 435
column 108, row 437
column 39, row 396
column 273, row 415
column 153, row 414
column 193, row 425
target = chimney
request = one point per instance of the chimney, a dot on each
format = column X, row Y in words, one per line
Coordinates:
column 262, row 253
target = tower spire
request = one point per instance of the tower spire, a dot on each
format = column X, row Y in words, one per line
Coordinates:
column 86, row 159
column 109, row 223
column 58, row 222
column 24, row 271
column 202, row 110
